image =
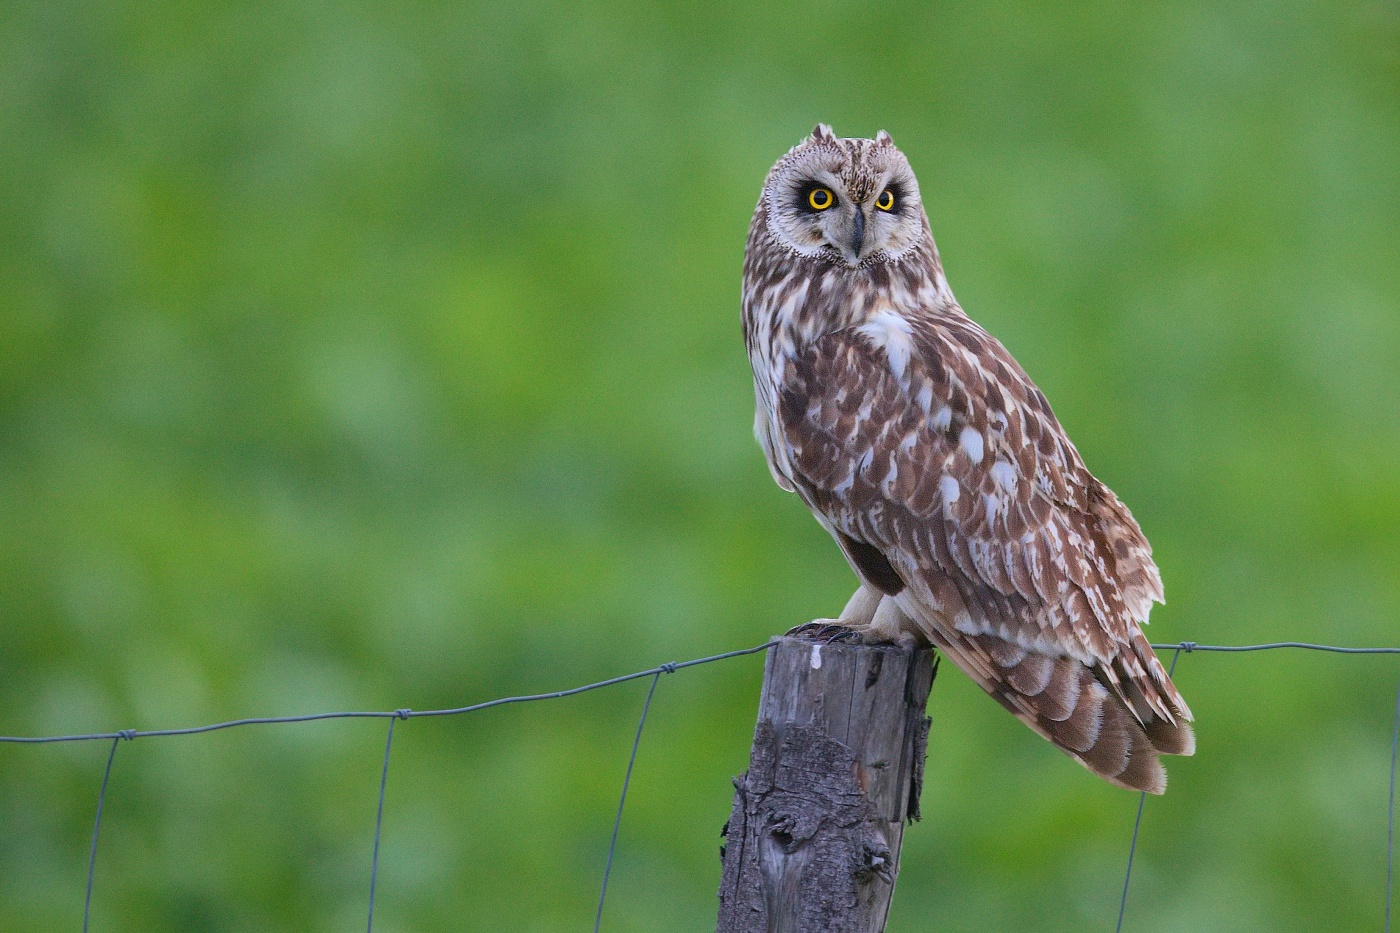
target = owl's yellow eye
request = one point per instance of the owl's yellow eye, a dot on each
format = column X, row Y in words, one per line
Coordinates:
column 820, row 198
column 885, row 201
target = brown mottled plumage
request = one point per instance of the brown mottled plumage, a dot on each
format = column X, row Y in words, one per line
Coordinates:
column 939, row 468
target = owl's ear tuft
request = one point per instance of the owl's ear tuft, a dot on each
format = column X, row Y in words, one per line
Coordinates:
column 823, row 134
column 883, row 139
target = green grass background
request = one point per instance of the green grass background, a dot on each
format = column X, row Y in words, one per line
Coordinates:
column 387, row 354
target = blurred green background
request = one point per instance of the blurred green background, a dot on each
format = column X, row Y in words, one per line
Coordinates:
column 387, row 354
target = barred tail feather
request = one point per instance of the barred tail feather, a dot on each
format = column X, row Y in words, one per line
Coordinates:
column 1112, row 727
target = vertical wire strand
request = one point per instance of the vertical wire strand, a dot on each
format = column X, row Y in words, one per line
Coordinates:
column 1137, row 825
column 96, row 828
column 1390, row 816
column 617, row 822
column 379, row 815
column 1132, row 851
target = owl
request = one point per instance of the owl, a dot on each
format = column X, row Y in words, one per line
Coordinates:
column 926, row 451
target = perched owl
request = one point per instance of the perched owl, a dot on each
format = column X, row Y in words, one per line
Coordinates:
column 939, row 468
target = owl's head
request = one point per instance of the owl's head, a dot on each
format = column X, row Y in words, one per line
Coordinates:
column 847, row 201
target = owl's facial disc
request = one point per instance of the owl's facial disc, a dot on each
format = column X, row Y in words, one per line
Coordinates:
column 846, row 201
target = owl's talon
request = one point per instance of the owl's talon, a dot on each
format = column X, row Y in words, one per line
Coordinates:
column 810, row 629
column 827, row 632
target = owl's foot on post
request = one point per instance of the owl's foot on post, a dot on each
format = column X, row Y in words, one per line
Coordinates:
column 828, row 631
column 833, row 631
column 852, row 626
column 868, row 619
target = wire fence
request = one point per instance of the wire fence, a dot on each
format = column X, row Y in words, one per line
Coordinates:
column 116, row 738
column 1187, row 647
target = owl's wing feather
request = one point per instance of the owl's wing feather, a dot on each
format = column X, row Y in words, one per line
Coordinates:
column 923, row 443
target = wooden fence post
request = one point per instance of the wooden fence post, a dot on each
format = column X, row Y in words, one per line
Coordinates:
column 812, row 845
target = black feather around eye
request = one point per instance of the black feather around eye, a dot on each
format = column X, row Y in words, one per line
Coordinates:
column 897, row 191
column 802, row 198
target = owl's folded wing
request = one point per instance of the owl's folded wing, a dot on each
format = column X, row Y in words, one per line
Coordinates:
column 925, row 444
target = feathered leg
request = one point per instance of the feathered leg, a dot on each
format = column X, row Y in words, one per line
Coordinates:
column 870, row 617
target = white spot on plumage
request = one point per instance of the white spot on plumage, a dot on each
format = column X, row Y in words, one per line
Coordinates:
column 786, row 311
column 925, row 397
column 949, row 489
column 1004, row 474
column 890, row 331
column 964, row 623
column 993, row 504
column 943, row 418
column 972, row 442
column 890, row 481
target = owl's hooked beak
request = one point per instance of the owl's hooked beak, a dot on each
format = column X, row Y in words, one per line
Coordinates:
column 858, row 238
column 852, row 239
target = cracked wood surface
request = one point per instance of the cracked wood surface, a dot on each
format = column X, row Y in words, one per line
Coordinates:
column 812, row 844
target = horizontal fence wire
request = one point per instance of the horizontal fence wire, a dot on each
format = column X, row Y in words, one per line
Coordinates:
column 116, row 738
column 131, row 734
column 1190, row 646
column 390, row 714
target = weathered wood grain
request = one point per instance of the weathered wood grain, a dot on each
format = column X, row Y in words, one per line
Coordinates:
column 812, row 845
